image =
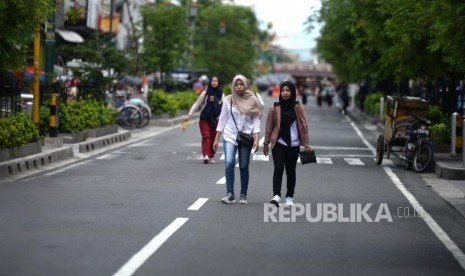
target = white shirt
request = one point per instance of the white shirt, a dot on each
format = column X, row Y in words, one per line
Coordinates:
column 244, row 123
column 295, row 141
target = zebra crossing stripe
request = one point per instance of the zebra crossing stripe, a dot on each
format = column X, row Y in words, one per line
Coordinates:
column 222, row 181
column 354, row 161
column 323, row 160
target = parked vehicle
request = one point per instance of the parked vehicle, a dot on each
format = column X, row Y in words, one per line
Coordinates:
column 406, row 132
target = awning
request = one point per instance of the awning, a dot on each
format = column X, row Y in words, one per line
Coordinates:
column 70, row 36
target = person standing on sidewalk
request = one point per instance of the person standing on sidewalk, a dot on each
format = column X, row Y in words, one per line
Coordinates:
column 286, row 130
column 212, row 100
column 241, row 111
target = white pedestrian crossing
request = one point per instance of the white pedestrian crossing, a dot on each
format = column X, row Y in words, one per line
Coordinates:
column 354, row 161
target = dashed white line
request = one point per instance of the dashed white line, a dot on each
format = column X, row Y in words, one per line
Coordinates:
column 136, row 261
column 107, row 156
column 68, row 167
column 197, row 204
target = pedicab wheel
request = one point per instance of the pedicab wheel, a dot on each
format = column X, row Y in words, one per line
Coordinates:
column 379, row 150
column 422, row 158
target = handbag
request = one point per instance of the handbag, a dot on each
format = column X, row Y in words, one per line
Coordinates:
column 307, row 157
column 243, row 138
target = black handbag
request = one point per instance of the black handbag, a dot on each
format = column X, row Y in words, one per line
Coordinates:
column 243, row 138
column 307, row 157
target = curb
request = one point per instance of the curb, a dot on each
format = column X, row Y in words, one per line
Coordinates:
column 450, row 173
column 20, row 165
column 104, row 141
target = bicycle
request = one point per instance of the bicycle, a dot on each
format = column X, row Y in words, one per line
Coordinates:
column 129, row 116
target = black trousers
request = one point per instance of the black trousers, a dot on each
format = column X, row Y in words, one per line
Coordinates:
column 284, row 157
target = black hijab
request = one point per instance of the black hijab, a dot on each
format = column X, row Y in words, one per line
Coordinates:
column 212, row 110
column 288, row 115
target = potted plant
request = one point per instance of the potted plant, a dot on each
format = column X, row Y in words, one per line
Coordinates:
column 74, row 15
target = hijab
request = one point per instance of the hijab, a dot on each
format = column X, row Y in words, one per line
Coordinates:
column 212, row 110
column 288, row 115
column 247, row 103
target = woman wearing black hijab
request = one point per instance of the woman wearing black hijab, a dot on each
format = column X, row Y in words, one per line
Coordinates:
column 211, row 99
column 286, row 130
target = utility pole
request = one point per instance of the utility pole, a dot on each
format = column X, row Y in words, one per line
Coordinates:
column 36, row 84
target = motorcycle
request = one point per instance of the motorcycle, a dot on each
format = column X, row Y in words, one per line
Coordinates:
column 418, row 149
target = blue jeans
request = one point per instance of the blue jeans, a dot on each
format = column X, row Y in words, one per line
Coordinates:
column 230, row 162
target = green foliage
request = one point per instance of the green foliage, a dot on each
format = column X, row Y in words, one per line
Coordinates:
column 233, row 52
column 170, row 103
column 78, row 116
column 17, row 130
column 372, row 103
column 435, row 114
column 18, row 19
column 165, row 36
column 396, row 39
column 440, row 133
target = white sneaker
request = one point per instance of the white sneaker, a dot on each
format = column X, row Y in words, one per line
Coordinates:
column 205, row 159
column 211, row 161
column 275, row 200
column 289, row 201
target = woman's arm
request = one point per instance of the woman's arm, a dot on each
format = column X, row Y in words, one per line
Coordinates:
column 199, row 102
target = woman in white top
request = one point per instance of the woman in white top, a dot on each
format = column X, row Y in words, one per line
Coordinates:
column 211, row 99
column 241, row 111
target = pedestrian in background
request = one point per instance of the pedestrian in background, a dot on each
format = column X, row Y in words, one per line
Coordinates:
column 241, row 112
column 211, row 101
column 286, row 130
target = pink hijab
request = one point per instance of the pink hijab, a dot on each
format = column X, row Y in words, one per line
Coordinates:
column 247, row 103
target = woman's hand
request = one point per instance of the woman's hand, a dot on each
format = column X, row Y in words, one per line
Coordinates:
column 256, row 145
column 266, row 148
column 187, row 117
column 308, row 149
column 215, row 145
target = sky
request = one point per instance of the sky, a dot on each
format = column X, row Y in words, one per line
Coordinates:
column 288, row 17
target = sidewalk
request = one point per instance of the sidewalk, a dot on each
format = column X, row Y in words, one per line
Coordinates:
column 447, row 173
column 52, row 157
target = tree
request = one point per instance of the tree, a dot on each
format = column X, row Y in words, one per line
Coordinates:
column 18, row 20
column 229, row 53
column 165, row 38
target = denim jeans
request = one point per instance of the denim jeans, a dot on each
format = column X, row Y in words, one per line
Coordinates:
column 230, row 162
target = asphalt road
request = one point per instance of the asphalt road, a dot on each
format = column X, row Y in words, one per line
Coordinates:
column 153, row 208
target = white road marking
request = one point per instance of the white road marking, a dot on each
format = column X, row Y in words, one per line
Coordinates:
column 338, row 148
column 107, row 156
column 359, row 133
column 323, row 160
column 222, row 181
column 260, row 157
column 141, row 144
column 198, row 204
column 136, row 261
column 354, row 161
column 433, row 225
column 68, row 167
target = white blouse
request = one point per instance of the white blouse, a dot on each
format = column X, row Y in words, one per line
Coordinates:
column 244, row 123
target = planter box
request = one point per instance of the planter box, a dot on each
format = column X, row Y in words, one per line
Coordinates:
column 89, row 133
column 75, row 137
column 102, row 131
column 21, row 151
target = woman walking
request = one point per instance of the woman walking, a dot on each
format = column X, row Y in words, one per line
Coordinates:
column 286, row 130
column 241, row 112
column 211, row 99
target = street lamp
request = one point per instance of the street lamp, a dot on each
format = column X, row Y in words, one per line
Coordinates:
column 192, row 14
